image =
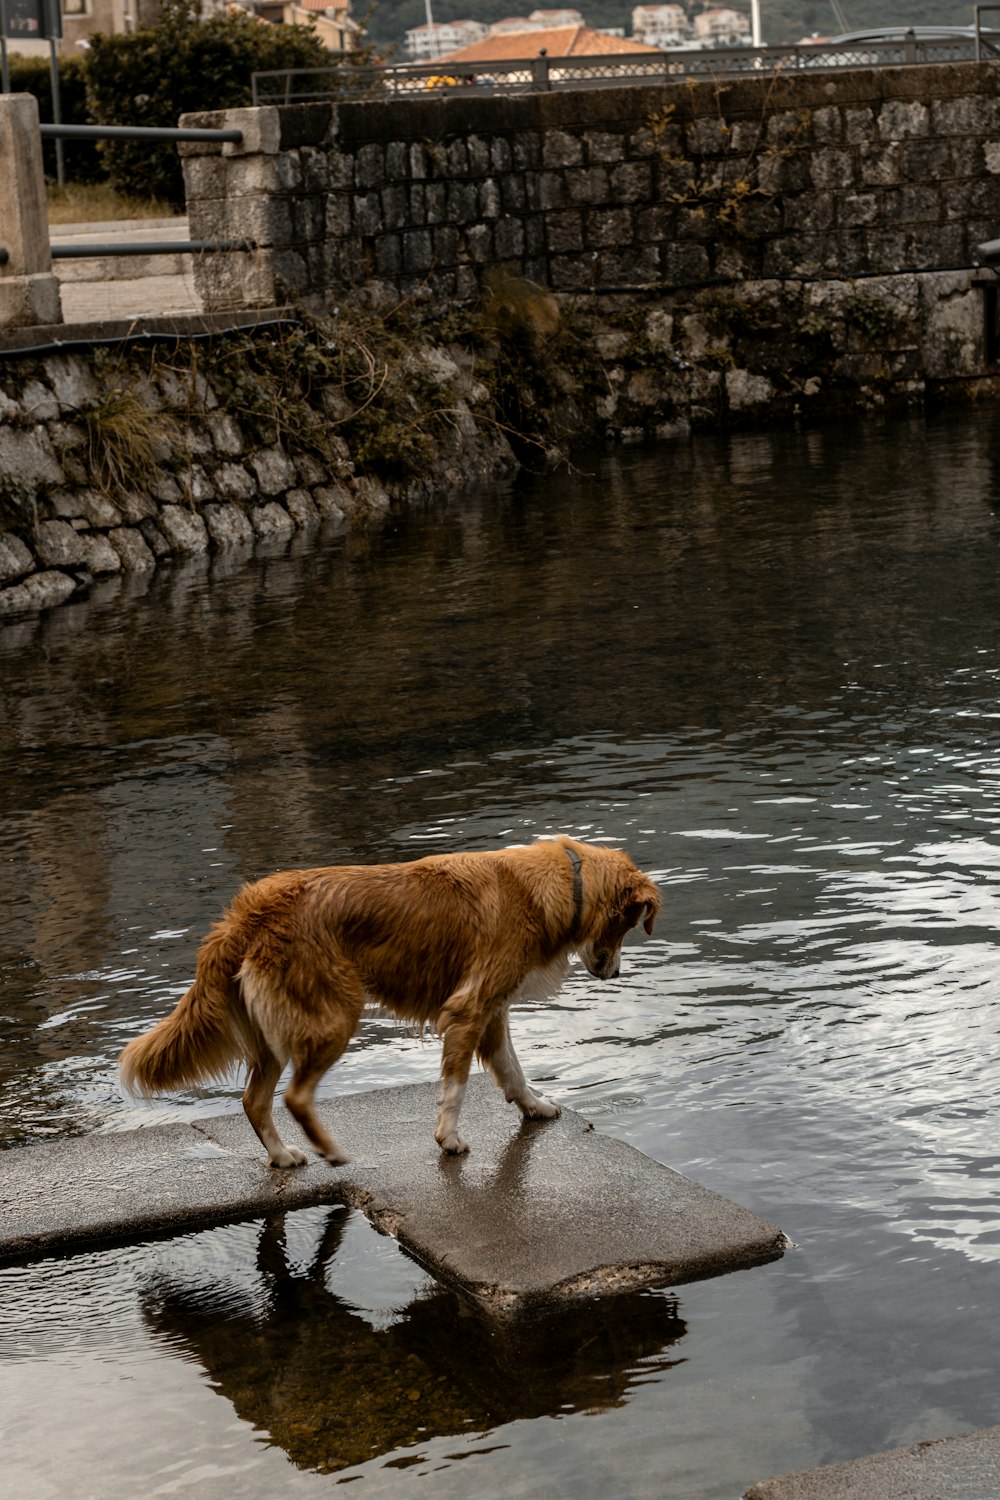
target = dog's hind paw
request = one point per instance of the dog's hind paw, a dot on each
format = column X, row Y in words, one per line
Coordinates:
column 453, row 1145
column 288, row 1156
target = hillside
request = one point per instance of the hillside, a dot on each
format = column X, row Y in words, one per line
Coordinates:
column 782, row 20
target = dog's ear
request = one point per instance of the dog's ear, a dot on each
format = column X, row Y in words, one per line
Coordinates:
column 647, row 898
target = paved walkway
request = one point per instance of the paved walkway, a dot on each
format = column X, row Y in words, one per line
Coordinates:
column 102, row 287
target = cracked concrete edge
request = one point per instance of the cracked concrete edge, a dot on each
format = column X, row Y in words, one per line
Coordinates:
column 965, row 1466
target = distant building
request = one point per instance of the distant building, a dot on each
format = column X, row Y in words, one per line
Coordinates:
column 332, row 23
column 721, row 27
column 663, row 26
column 558, row 41
column 551, row 18
column 426, row 43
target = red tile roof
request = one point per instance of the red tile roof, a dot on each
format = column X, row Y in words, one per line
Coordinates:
column 560, row 41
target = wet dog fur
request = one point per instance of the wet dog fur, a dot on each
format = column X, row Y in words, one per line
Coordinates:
column 452, row 941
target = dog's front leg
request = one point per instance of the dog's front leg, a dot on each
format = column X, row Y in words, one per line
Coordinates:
column 496, row 1051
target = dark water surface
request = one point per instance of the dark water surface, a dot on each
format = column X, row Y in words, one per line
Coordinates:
column 768, row 666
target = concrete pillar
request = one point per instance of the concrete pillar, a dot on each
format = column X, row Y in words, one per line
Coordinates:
column 29, row 293
column 240, row 191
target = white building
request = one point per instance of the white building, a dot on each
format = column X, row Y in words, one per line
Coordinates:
column 663, row 26
column 721, row 27
column 545, row 20
column 425, row 43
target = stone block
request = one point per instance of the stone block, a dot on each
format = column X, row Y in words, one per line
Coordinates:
column 271, row 519
column 608, row 228
column 480, row 163
column 59, row 546
column 302, row 509
column 462, row 202
column 490, row 202
column 588, row 186
column 508, row 238
column 912, row 205
column 827, row 125
column 38, row 402
column 632, row 181
column 332, row 501
column 603, row 147
column 418, row 251
column 275, row 471
column 131, row 548
column 39, row 591
column 228, row 525
column 457, row 158
column 901, row 119
column 395, row 207
column 15, row 557
column 976, row 114
column 183, row 529
column 561, row 148
column 261, row 129
column 831, row 168
column 501, row 155
column 397, row 161
column 478, row 244
column 513, row 195
column 859, row 125
column 564, row 232
column 72, row 379
column 388, row 256
column 879, row 166
column 29, row 301
column 99, row 554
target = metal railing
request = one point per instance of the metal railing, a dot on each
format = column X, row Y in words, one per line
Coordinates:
column 528, row 74
column 151, row 247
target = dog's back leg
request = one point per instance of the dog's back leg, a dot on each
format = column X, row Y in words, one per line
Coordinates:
column 461, row 1024
column 314, row 1056
column 496, row 1052
column 258, row 1098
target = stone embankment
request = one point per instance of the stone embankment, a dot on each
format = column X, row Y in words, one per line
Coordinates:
column 109, row 466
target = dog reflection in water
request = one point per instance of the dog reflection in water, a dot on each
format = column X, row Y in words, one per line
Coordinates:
column 450, row 941
column 334, row 1391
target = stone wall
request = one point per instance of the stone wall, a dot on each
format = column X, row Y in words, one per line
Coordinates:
column 846, row 173
column 109, row 466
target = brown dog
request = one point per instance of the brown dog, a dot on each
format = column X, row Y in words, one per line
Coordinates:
column 453, row 939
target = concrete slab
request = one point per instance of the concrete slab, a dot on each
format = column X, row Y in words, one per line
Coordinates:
column 538, row 1214
column 953, row 1468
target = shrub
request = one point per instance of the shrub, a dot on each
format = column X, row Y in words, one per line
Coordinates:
column 179, row 66
column 31, row 75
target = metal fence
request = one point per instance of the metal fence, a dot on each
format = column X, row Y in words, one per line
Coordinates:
column 340, row 81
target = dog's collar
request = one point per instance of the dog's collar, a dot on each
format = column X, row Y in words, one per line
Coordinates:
column 577, row 864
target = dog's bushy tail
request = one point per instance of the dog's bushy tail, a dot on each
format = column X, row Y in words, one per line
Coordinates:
column 201, row 1038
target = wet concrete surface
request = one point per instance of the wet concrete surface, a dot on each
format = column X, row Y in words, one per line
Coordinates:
column 954, row 1468
column 538, row 1213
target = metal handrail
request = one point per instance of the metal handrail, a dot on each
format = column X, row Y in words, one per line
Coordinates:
column 136, row 133
column 150, row 247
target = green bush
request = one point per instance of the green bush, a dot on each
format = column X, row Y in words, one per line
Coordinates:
column 31, row 75
column 181, row 65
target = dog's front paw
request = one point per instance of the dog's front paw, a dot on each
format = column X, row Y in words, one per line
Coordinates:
column 288, row 1156
column 452, row 1144
column 540, row 1108
column 336, row 1157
